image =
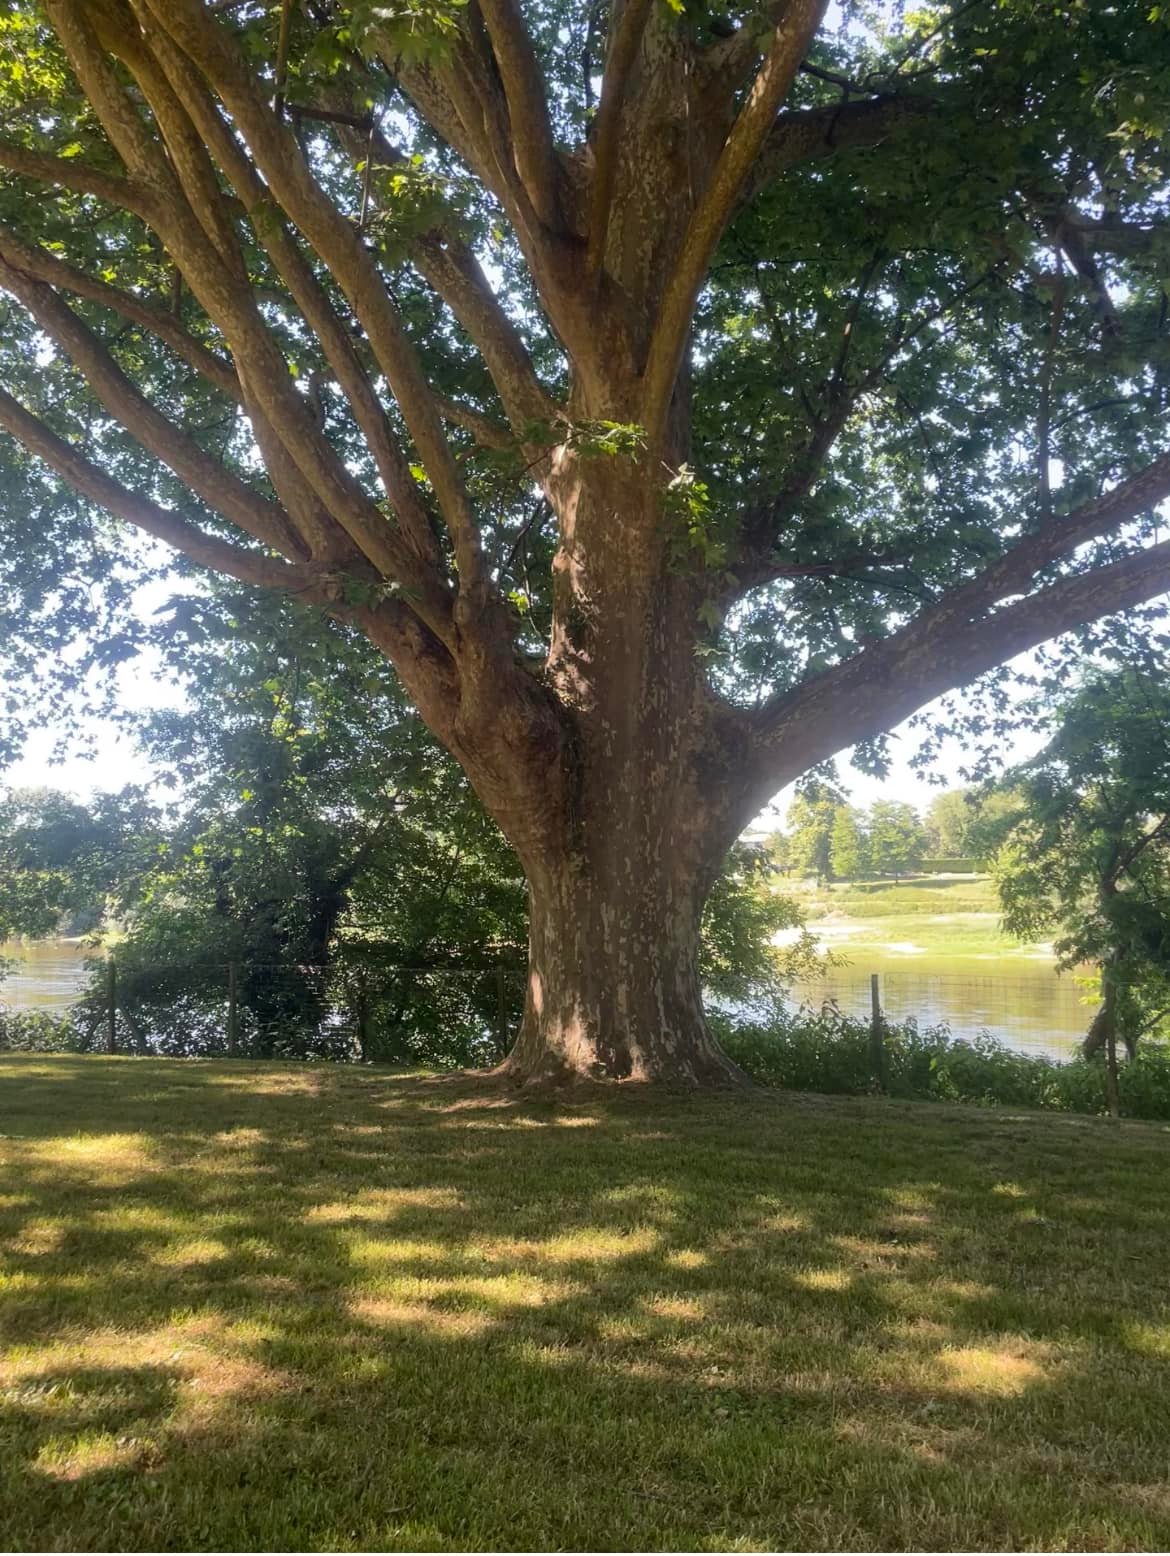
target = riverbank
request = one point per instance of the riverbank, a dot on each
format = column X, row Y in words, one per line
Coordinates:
column 936, row 944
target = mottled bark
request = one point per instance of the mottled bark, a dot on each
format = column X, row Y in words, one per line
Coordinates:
column 613, row 986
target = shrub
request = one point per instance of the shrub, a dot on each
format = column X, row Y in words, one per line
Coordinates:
column 37, row 1032
column 826, row 1051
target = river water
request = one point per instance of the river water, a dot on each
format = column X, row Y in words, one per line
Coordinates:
column 43, row 974
column 1023, row 1003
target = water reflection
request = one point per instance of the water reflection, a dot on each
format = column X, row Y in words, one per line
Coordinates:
column 1026, row 1004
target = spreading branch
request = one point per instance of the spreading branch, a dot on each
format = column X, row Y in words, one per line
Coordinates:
column 790, row 41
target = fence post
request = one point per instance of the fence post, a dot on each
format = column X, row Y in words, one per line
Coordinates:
column 877, row 1043
column 363, row 1015
column 501, row 1011
column 111, row 1005
column 233, row 1019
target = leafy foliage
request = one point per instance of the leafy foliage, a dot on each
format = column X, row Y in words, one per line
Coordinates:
column 1089, row 857
column 827, row 1051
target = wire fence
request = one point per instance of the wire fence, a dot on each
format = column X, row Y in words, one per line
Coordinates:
column 381, row 1010
column 1042, row 1013
column 348, row 1010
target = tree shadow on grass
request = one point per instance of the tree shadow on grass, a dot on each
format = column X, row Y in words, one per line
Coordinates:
column 307, row 1308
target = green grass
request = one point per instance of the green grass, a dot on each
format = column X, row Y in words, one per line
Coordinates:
column 928, row 894
column 263, row 1307
column 955, row 918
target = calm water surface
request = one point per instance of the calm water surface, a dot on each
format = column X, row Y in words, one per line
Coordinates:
column 45, row 975
column 1018, row 1000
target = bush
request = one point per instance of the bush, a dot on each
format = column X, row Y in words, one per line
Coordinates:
column 37, row 1032
column 826, row 1051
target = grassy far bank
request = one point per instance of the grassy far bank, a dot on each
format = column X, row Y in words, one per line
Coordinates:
column 945, row 917
column 265, row 1307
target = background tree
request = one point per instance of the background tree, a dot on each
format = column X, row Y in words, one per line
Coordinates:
column 673, row 405
column 1089, row 857
column 849, row 851
column 948, row 822
column 810, row 829
column 64, row 865
column 897, row 838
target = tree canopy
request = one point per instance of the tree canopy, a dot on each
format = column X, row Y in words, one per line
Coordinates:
column 676, row 393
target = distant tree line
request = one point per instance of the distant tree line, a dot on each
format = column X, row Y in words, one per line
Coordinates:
column 830, row 839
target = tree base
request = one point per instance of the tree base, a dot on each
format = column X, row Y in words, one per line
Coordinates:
column 706, row 1069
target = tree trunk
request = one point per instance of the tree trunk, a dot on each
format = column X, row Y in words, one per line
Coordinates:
column 613, row 982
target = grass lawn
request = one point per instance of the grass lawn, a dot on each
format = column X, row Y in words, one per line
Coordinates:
column 252, row 1306
column 948, row 917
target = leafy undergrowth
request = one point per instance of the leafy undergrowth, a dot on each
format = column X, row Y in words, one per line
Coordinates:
column 828, row 1051
column 263, row 1307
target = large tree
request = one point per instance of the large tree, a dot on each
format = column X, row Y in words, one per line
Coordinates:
column 676, row 393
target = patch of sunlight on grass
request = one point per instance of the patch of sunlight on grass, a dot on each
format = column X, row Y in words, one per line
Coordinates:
column 1005, row 1369
column 383, row 1204
column 120, row 1154
column 515, row 1289
column 137, row 1218
column 193, row 1251
column 369, row 1250
column 394, row 1313
column 648, row 1195
column 89, row 1454
column 257, row 1081
column 1146, row 1339
column 1009, row 1190
column 917, row 1200
column 576, row 1121
column 509, row 1125
column 784, row 1223
column 824, row 1280
column 37, row 1238
column 240, row 1138
column 589, row 1244
column 687, row 1259
column 870, row 1250
column 685, row 1310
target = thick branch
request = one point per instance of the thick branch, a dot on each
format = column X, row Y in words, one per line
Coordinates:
column 458, row 278
column 486, row 432
column 220, row 555
column 156, row 321
column 1015, row 570
column 218, row 487
column 878, row 688
column 532, row 141
column 623, row 51
column 790, row 41
column 280, row 160
column 341, row 512
column 451, row 269
column 73, row 173
column 310, row 297
column 807, row 134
